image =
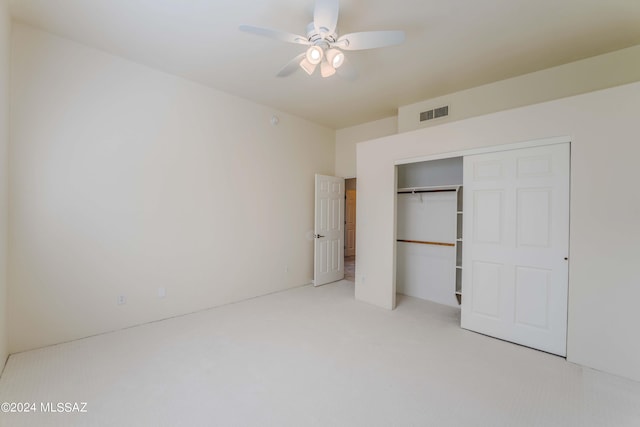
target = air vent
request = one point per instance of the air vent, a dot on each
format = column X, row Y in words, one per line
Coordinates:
column 441, row 112
column 426, row 115
column 434, row 114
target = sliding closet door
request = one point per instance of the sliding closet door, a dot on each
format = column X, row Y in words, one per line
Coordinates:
column 516, row 238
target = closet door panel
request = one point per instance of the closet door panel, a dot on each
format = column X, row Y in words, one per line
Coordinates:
column 517, row 217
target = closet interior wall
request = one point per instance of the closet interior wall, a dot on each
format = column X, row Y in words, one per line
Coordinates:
column 427, row 230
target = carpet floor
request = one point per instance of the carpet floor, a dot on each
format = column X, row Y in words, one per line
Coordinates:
column 311, row 357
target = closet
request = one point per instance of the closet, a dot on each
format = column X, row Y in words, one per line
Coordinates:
column 429, row 230
column 509, row 271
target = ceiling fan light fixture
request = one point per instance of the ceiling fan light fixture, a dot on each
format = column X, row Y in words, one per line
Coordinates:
column 335, row 58
column 315, row 55
column 307, row 66
column 322, row 44
column 326, row 70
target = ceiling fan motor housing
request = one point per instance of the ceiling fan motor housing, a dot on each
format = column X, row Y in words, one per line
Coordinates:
column 318, row 39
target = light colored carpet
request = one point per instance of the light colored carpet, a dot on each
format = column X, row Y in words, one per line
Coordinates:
column 312, row 357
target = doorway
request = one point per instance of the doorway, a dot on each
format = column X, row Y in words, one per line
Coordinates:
column 427, row 223
column 350, row 229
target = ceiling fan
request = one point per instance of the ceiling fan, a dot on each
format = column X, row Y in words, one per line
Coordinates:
column 325, row 47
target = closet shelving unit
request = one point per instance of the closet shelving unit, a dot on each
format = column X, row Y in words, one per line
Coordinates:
column 459, row 211
column 458, row 241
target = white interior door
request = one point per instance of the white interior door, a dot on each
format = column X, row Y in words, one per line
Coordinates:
column 329, row 230
column 515, row 246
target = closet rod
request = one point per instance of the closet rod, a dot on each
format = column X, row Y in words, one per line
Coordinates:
column 426, row 243
column 423, row 191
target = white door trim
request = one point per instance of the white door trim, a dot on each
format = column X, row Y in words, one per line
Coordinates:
column 483, row 150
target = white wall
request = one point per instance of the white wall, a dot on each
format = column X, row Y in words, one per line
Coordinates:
column 604, row 278
column 431, row 173
column 125, row 179
column 347, row 138
column 5, row 29
column 599, row 72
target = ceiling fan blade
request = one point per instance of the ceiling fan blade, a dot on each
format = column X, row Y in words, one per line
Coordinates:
column 291, row 67
column 369, row 40
column 275, row 34
column 325, row 16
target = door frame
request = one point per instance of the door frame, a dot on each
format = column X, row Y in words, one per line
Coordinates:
column 346, row 212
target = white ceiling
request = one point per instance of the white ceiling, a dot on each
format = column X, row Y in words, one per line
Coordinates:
column 451, row 44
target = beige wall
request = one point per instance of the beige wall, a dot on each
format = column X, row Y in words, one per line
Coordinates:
column 347, row 138
column 604, row 277
column 125, row 179
column 599, row 72
column 5, row 29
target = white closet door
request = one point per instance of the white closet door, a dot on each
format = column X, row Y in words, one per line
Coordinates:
column 516, row 240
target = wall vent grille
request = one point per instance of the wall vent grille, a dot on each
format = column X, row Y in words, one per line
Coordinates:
column 434, row 114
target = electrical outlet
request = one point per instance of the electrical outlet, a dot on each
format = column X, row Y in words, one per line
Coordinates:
column 286, row 268
column 162, row 292
column 122, row 299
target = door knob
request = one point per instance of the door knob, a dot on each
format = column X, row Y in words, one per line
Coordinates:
column 317, row 236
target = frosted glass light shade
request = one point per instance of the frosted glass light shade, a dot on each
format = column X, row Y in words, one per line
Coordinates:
column 307, row 66
column 326, row 70
column 315, row 55
column 335, row 58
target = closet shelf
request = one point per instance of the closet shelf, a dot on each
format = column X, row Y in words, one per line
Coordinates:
column 421, row 242
column 427, row 189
